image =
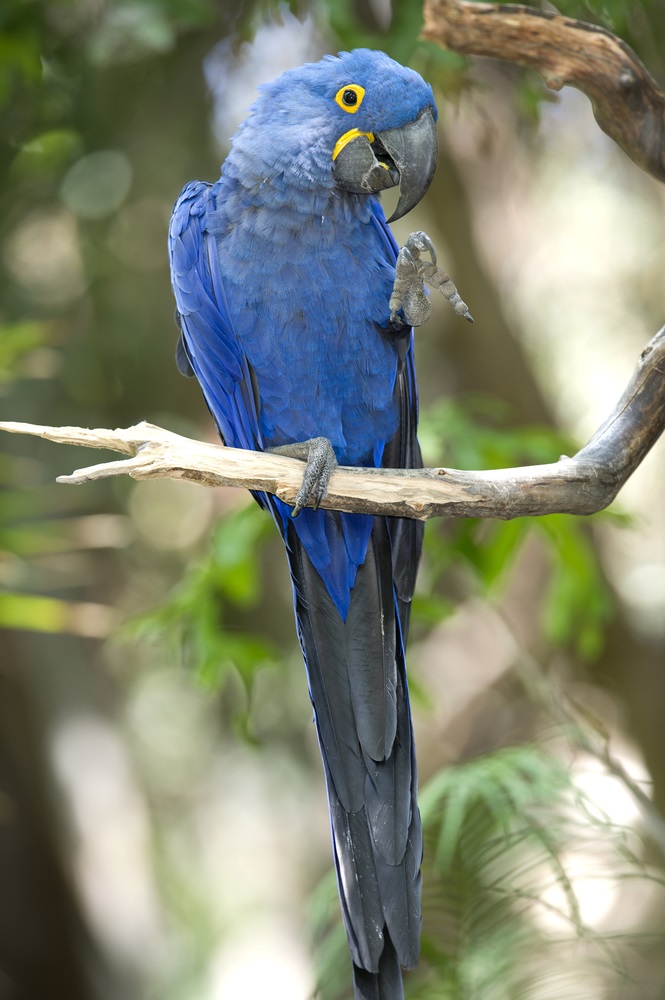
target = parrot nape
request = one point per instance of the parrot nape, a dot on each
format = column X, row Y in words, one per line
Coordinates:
column 296, row 309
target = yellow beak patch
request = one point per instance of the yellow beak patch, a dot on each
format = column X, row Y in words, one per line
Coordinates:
column 348, row 137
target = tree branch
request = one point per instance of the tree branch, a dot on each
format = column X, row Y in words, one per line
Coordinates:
column 584, row 484
column 627, row 102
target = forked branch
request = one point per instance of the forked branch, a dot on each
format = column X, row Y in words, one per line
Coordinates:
column 583, row 484
column 627, row 102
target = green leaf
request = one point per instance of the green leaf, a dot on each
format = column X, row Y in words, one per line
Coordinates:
column 32, row 612
column 17, row 340
column 47, row 155
column 20, row 61
column 193, row 617
column 578, row 604
column 234, row 548
column 430, row 609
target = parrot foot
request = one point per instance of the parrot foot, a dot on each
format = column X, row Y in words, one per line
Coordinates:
column 321, row 463
column 411, row 275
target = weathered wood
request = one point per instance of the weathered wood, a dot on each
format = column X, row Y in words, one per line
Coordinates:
column 583, row 484
column 627, row 102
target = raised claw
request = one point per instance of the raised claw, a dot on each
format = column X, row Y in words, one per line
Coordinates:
column 423, row 243
column 407, row 256
column 411, row 273
column 408, row 295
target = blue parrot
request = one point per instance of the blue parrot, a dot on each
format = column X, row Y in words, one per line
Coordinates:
column 295, row 316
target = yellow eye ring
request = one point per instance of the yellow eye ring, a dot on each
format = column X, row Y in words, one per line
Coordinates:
column 350, row 97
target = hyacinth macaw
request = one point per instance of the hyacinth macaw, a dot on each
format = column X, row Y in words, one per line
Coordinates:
column 296, row 318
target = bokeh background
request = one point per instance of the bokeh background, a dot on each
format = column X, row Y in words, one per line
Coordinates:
column 163, row 824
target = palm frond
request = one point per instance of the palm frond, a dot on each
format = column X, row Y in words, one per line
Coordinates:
column 505, row 839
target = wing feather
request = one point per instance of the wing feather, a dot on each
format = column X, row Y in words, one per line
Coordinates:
column 210, row 345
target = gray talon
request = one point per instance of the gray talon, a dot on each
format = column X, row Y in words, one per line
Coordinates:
column 423, row 243
column 411, row 275
column 321, row 463
column 407, row 256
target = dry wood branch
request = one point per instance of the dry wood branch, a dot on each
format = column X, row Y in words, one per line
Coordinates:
column 627, row 102
column 584, row 484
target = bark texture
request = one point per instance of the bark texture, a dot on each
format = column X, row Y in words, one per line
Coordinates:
column 627, row 102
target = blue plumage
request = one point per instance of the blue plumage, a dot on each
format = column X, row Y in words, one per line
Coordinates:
column 282, row 280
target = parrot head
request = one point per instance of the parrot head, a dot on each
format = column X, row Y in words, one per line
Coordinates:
column 392, row 139
column 359, row 121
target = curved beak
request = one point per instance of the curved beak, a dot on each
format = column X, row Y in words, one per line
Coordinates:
column 365, row 163
column 414, row 150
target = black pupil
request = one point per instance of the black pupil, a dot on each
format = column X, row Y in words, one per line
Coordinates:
column 350, row 97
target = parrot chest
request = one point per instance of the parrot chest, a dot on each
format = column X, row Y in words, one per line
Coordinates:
column 308, row 301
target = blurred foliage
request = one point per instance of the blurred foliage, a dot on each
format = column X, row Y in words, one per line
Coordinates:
column 192, row 618
column 18, row 341
column 476, row 433
column 501, row 914
column 357, row 25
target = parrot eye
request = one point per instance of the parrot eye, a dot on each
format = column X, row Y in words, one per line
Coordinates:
column 350, row 97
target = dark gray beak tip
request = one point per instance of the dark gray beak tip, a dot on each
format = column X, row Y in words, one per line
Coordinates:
column 414, row 150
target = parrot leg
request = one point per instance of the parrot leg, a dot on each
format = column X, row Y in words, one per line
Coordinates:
column 321, row 463
column 411, row 274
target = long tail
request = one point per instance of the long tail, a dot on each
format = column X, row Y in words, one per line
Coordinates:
column 357, row 681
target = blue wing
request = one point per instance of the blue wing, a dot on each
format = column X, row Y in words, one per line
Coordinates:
column 208, row 342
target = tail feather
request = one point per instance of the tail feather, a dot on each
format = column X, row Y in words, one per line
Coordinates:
column 321, row 633
column 357, row 680
column 358, row 884
column 371, row 634
column 386, row 984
